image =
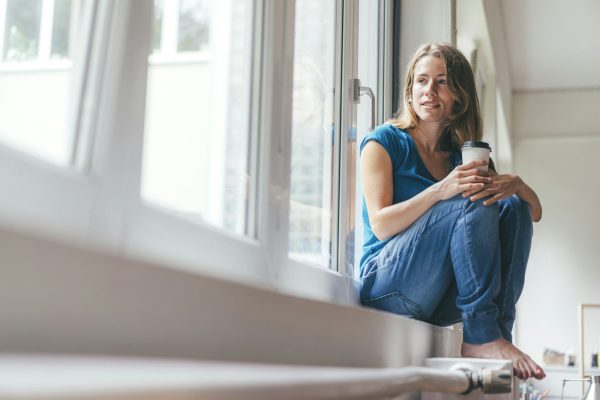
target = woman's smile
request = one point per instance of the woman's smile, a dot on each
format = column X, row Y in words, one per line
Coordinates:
column 432, row 99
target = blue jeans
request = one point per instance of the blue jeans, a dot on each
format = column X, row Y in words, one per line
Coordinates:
column 460, row 261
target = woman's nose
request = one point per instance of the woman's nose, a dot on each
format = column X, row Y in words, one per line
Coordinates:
column 431, row 87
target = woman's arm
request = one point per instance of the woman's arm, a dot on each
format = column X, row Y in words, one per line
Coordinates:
column 388, row 219
column 527, row 194
column 505, row 185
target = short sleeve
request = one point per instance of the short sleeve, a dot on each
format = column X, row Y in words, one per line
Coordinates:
column 391, row 138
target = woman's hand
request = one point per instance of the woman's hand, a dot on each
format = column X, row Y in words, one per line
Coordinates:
column 503, row 186
column 500, row 187
column 464, row 178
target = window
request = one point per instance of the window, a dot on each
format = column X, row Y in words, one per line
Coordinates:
column 35, row 30
column 197, row 138
column 193, row 26
column 22, row 29
column 35, row 92
column 236, row 164
column 60, row 29
column 313, row 122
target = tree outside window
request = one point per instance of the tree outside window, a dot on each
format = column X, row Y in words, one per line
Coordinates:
column 22, row 30
column 26, row 27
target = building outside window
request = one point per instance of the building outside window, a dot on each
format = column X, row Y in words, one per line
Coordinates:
column 36, row 77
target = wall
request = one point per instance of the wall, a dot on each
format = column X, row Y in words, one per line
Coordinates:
column 557, row 142
column 422, row 21
column 502, row 83
column 479, row 25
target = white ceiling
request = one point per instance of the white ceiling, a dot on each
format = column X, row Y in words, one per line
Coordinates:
column 553, row 44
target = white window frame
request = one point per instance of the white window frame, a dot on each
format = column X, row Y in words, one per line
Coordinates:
column 153, row 232
column 41, row 196
column 43, row 61
column 167, row 52
column 98, row 200
column 335, row 284
column 262, row 261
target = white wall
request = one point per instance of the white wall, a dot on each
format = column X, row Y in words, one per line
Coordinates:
column 473, row 40
column 423, row 21
column 479, row 25
column 502, row 83
column 557, row 143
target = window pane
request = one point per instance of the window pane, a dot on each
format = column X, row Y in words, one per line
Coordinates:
column 22, row 29
column 193, row 25
column 35, row 102
column 312, row 132
column 157, row 27
column 196, row 139
column 60, row 28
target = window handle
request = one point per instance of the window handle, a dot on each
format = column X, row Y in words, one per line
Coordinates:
column 359, row 91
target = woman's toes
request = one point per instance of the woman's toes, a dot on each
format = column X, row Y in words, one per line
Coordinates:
column 539, row 373
column 517, row 371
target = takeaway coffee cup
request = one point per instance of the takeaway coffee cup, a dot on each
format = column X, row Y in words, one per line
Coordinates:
column 476, row 151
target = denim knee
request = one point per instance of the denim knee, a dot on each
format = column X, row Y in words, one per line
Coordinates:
column 484, row 214
column 516, row 212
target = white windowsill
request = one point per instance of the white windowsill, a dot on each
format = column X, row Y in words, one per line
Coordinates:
column 58, row 297
column 35, row 66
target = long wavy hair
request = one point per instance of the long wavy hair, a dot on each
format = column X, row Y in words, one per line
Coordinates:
column 464, row 123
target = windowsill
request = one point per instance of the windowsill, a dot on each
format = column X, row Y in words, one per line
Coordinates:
column 200, row 57
column 35, row 66
column 73, row 299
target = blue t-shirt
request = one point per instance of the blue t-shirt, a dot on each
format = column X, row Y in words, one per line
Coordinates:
column 410, row 177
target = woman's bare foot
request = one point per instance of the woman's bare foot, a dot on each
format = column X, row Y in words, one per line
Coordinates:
column 524, row 367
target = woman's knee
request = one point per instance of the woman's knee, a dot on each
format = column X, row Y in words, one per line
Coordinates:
column 453, row 203
column 486, row 214
column 515, row 211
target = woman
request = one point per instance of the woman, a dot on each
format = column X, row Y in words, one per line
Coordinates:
column 445, row 242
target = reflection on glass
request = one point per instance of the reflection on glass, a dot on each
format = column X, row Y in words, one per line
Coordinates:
column 196, row 138
column 157, row 26
column 193, row 25
column 312, row 132
column 60, row 28
column 22, row 29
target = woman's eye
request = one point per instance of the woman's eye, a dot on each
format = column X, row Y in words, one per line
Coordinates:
column 442, row 81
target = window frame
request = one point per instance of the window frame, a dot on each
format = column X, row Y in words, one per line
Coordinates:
column 168, row 52
column 265, row 259
column 98, row 199
column 41, row 196
column 43, row 59
column 231, row 256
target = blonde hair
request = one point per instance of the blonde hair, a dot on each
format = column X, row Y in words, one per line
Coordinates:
column 464, row 123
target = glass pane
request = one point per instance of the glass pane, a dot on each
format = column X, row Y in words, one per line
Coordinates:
column 157, row 27
column 312, row 132
column 193, row 25
column 60, row 28
column 196, row 139
column 35, row 102
column 22, row 29
column 368, row 69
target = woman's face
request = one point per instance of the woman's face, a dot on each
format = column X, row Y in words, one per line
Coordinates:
column 431, row 98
